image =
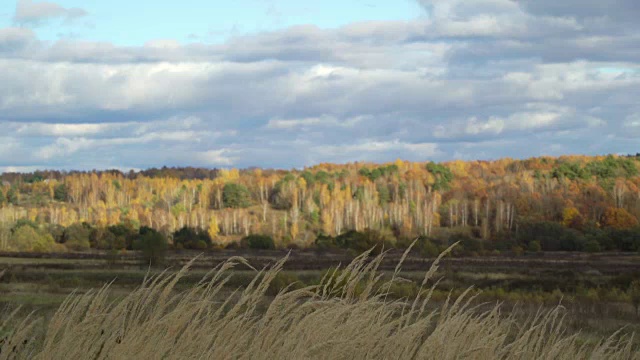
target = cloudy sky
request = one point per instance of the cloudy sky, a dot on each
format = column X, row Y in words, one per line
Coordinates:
column 289, row 83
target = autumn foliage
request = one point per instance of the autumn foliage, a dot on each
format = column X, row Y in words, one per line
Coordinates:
column 486, row 200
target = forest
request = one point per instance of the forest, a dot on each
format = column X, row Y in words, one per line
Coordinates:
column 567, row 203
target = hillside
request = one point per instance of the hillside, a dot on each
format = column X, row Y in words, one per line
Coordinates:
column 569, row 203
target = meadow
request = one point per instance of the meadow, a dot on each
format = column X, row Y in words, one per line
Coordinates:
column 571, row 299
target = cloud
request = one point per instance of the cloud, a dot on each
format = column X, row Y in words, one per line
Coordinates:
column 313, row 122
column 34, row 13
column 15, row 39
column 467, row 79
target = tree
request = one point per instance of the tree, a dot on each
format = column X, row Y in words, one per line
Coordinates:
column 77, row 237
column 2, row 198
column 443, row 176
column 191, row 238
column 102, row 238
column 26, row 238
column 618, row 218
column 213, row 229
column 12, row 196
column 153, row 246
column 236, row 195
column 60, row 192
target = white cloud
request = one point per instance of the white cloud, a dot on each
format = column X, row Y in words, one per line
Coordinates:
column 216, row 157
column 33, row 12
column 62, row 129
column 458, row 81
column 364, row 149
column 325, row 121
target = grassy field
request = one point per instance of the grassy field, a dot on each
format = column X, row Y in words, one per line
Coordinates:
column 592, row 288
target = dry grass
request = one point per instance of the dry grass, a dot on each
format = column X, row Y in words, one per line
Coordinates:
column 348, row 316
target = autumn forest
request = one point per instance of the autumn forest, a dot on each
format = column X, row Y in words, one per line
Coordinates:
column 568, row 203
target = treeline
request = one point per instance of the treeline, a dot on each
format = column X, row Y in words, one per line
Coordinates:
column 569, row 203
column 182, row 173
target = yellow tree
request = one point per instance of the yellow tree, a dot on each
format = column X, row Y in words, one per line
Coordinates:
column 214, row 229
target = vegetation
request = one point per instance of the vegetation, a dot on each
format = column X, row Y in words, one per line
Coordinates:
column 153, row 246
column 263, row 242
column 570, row 203
column 347, row 315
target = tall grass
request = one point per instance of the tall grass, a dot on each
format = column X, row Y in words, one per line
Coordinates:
column 348, row 316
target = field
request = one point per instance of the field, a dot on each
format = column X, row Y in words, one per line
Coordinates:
column 592, row 288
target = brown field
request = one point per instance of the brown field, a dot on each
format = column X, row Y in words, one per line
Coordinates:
column 591, row 288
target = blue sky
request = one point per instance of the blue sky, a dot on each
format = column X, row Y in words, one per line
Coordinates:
column 132, row 85
column 136, row 22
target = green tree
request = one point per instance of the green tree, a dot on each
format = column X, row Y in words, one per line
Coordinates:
column 383, row 193
column 60, row 192
column 442, row 174
column 191, row 238
column 77, row 237
column 2, row 198
column 26, row 238
column 236, row 196
column 153, row 246
column 12, row 196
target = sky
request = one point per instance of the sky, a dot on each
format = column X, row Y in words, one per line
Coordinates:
column 288, row 84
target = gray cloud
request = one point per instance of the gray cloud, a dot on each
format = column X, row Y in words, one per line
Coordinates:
column 35, row 12
column 480, row 79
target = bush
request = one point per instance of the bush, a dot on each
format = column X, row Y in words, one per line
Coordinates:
column 625, row 239
column 26, row 238
column 153, row 246
column 517, row 250
column 200, row 245
column 191, row 238
column 592, row 246
column 127, row 234
column 255, row 241
column 324, row 242
column 467, row 244
column 534, row 246
column 362, row 241
column 426, row 247
column 76, row 237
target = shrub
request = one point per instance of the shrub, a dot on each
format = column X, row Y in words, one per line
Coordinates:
column 467, row 243
column 517, row 250
column 426, row 247
column 26, row 238
column 368, row 239
column 534, row 246
column 126, row 234
column 255, row 241
column 153, row 246
column 324, row 242
column 191, row 238
column 592, row 246
column 76, row 237
column 200, row 245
